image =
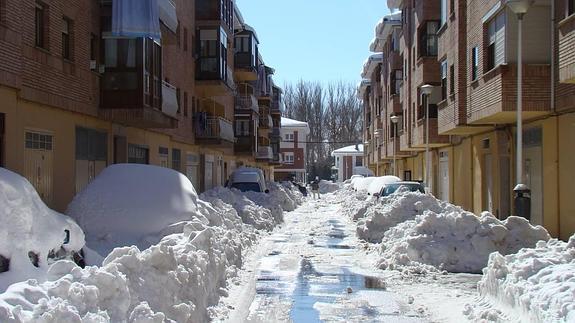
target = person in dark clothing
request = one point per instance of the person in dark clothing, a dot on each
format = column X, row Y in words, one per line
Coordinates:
column 315, row 188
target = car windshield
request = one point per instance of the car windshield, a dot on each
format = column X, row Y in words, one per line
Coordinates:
column 247, row 186
column 412, row 187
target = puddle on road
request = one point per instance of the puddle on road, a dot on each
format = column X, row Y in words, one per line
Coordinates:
column 314, row 288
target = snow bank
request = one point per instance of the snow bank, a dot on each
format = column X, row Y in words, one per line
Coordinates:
column 378, row 183
column 130, row 204
column 177, row 279
column 537, row 284
column 327, row 187
column 419, row 229
column 30, row 230
column 261, row 210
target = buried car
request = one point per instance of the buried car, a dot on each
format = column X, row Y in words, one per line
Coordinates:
column 401, row 186
column 32, row 236
column 248, row 179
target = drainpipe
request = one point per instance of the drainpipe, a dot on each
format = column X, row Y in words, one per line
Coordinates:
column 553, row 56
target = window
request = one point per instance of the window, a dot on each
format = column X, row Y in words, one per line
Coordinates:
column 66, row 39
column 163, row 153
column 358, row 161
column 242, row 44
column 444, row 79
column 2, row 13
column 138, row 154
column 93, row 47
column 496, row 42
column 40, row 24
column 185, row 104
column 474, row 63
column 443, row 12
column 570, row 7
column 452, row 79
column 178, row 96
column 178, row 35
column 289, row 137
column 428, row 39
column 35, row 140
column 176, row 159
column 395, row 83
column 91, row 144
column 289, row 158
column 242, row 127
column 213, row 54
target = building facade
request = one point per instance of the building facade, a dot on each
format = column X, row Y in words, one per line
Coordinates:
column 293, row 150
column 467, row 52
column 74, row 98
column 350, row 161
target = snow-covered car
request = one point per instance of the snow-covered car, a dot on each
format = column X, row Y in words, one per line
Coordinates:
column 32, row 236
column 248, row 179
column 378, row 183
column 407, row 186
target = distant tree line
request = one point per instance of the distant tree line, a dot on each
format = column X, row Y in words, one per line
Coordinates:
column 334, row 115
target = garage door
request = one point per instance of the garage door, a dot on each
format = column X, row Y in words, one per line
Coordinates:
column 38, row 163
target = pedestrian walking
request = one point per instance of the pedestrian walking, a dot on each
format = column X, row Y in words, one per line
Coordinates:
column 315, row 188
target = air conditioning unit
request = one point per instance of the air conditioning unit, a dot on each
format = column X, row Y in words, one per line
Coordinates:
column 101, row 68
column 93, row 65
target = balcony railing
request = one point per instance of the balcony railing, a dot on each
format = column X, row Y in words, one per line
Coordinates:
column 210, row 127
column 247, row 102
column 265, row 152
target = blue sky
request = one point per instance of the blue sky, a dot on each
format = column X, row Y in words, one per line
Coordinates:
column 314, row 40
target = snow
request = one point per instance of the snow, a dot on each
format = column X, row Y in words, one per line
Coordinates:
column 418, row 230
column 353, row 149
column 362, row 184
column 328, row 187
column 129, row 204
column 29, row 226
column 379, row 182
column 287, row 122
column 535, row 284
column 176, row 279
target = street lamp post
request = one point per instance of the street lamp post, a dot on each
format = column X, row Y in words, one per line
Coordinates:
column 394, row 120
column 427, row 89
column 522, row 199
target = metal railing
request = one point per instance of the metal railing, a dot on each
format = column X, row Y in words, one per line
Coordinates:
column 265, row 152
column 214, row 128
column 247, row 102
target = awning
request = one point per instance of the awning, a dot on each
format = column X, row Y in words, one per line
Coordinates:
column 136, row 18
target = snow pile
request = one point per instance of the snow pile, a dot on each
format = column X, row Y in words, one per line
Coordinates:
column 261, row 210
column 31, row 234
column 177, row 279
column 442, row 235
column 537, row 284
column 327, row 187
column 130, row 204
column 361, row 183
column 355, row 204
column 378, row 183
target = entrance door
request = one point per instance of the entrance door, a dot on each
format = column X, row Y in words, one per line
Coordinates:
column 91, row 155
column 208, row 173
column 533, row 171
column 487, row 183
column 2, row 131
column 192, row 170
column 444, row 176
column 38, row 159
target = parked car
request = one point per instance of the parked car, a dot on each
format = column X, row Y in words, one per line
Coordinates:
column 248, row 179
column 393, row 187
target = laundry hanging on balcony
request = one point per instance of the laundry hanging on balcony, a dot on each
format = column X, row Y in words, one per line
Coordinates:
column 135, row 18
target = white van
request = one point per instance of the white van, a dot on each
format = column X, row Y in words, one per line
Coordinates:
column 248, row 179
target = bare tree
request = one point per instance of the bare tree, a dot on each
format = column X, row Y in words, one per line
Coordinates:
column 334, row 115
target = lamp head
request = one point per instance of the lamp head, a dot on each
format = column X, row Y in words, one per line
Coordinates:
column 394, row 119
column 427, row 89
column 519, row 6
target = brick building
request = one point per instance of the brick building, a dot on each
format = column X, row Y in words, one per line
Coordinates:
column 74, row 98
column 467, row 50
column 293, row 149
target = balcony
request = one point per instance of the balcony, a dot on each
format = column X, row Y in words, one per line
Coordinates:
column 264, row 153
column 266, row 121
column 493, row 99
column 567, row 50
column 435, row 140
column 245, row 71
column 132, row 92
column 215, row 12
column 247, row 102
column 452, row 120
column 167, row 13
column 275, row 133
column 212, row 130
column 245, row 145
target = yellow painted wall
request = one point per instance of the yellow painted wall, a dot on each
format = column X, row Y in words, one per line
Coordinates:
column 566, row 133
column 461, row 178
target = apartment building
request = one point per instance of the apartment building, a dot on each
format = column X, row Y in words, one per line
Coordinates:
column 293, row 150
column 75, row 97
column 467, row 51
